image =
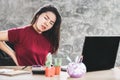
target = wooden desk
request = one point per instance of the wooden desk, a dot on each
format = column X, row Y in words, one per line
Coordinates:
column 112, row 74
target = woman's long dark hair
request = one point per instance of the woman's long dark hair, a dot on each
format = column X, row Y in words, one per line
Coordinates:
column 53, row 35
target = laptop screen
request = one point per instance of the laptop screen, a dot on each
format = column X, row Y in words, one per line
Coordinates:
column 99, row 52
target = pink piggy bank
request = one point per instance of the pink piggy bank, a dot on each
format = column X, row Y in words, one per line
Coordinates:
column 76, row 70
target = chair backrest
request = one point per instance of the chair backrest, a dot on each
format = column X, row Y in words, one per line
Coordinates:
column 99, row 52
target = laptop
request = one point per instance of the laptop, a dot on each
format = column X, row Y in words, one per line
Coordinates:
column 99, row 52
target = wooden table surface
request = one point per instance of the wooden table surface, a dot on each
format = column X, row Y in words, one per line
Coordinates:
column 112, row 74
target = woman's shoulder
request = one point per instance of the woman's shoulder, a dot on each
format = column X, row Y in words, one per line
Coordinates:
column 24, row 27
column 20, row 30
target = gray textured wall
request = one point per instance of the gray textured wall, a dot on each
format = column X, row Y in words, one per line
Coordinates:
column 80, row 18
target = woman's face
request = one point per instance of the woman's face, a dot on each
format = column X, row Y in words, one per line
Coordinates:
column 45, row 22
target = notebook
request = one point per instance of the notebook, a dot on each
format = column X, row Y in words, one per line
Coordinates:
column 99, row 52
column 12, row 72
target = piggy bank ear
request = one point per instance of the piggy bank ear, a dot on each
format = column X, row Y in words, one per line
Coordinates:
column 81, row 59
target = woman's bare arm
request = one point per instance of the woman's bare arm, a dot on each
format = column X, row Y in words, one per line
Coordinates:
column 5, row 47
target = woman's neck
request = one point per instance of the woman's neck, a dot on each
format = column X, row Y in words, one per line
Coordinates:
column 36, row 29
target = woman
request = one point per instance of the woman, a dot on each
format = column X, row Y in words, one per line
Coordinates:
column 32, row 43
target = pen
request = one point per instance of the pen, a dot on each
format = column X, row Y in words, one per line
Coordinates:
column 24, row 67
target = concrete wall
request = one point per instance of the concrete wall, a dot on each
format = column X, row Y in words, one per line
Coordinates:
column 80, row 18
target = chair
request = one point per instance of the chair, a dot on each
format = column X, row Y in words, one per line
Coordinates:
column 5, row 59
